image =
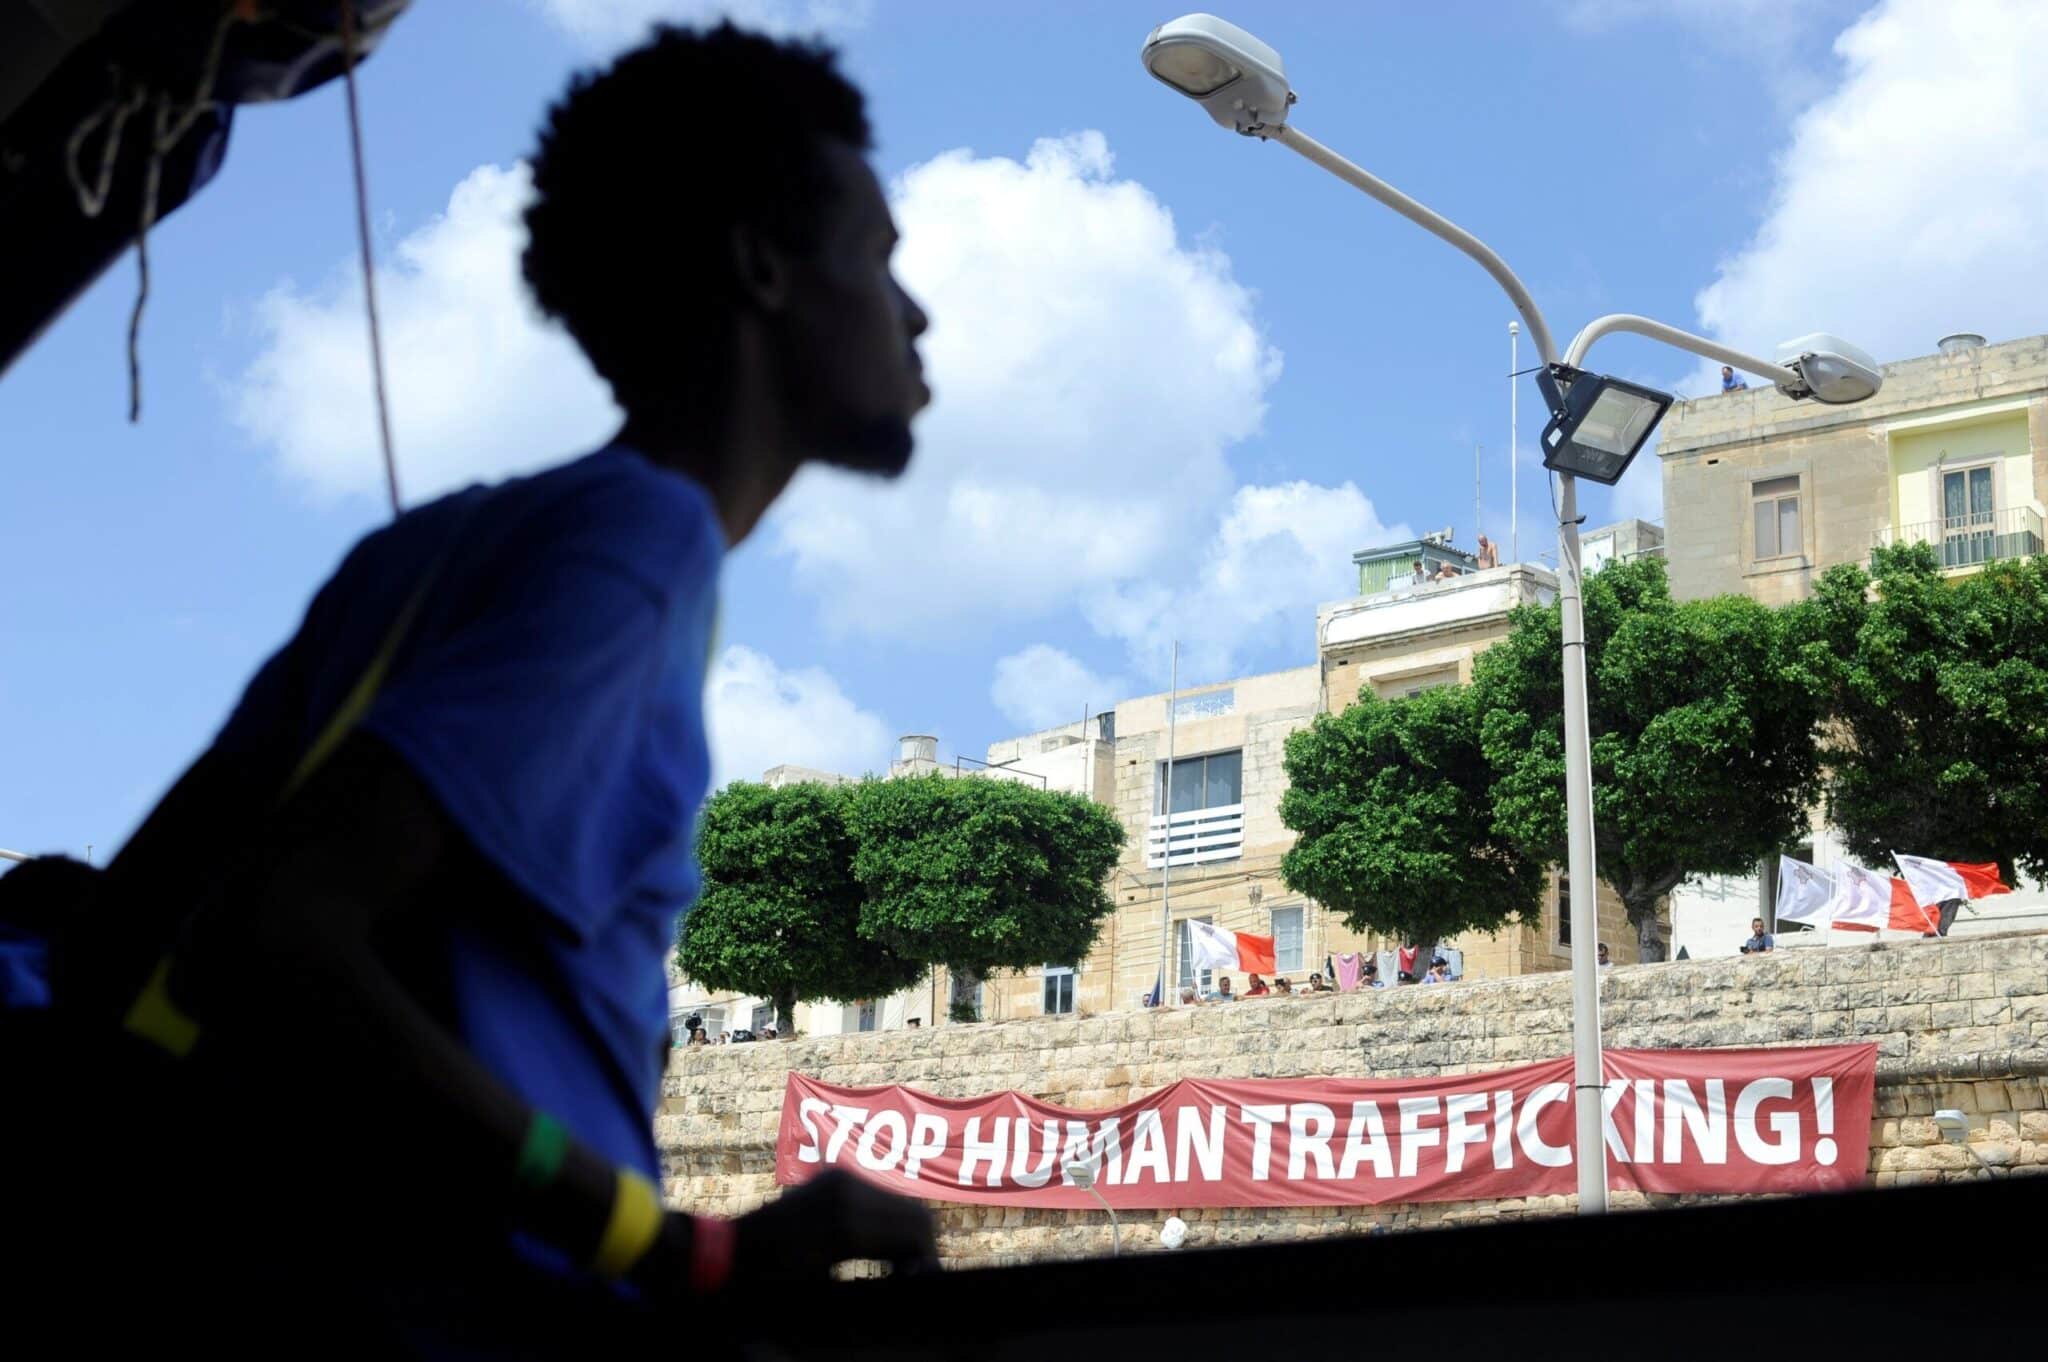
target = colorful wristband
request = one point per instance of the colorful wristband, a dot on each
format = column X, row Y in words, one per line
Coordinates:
column 711, row 1242
column 542, row 1153
column 632, row 1227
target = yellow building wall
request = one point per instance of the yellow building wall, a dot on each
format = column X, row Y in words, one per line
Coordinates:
column 1916, row 454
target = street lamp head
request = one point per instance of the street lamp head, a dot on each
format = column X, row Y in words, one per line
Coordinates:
column 1834, row 371
column 1597, row 423
column 1233, row 75
column 1082, row 1175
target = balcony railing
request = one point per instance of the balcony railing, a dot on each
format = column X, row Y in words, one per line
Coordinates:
column 1968, row 540
column 1195, row 836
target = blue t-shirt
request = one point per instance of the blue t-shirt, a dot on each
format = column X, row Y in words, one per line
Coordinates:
column 549, row 693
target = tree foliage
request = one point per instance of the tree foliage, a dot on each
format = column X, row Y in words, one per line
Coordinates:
column 981, row 874
column 1702, row 719
column 1393, row 805
column 1938, row 694
column 779, row 915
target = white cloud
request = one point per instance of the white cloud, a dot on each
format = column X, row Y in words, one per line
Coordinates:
column 479, row 387
column 1777, row 38
column 1091, row 370
column 762, row 715
column 603, row 26
column 1911, row 198
column 1277, row 552
column 1042, row 686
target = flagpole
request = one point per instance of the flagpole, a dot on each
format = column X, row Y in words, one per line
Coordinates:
column 1166, row 848
column 1514, row 481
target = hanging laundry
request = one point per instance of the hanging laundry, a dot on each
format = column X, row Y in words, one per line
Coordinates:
column 1348, row 966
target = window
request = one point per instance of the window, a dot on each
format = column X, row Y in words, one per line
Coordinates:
column 1967, row 517
column 763, row 1018
column 1059, row 990
column 864, row 1016
column 1202, row 783
column 1200, row 810
column 1187, row 960
column 1287, row 940
column 1415, row 685
column 1774, row 503
column 1564, row 910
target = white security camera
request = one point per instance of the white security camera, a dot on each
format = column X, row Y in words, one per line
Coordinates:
column 1953, row 1125
column 1834, row 371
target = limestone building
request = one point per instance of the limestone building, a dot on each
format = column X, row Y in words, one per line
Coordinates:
column 1764, row 494
column 1207, row 845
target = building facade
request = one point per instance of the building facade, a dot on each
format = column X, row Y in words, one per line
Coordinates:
column 1206, row 844
column 1765, row 494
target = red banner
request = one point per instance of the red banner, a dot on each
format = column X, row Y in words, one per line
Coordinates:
column 1790, row 1120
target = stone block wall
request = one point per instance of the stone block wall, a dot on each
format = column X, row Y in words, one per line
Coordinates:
column 1958, row 1024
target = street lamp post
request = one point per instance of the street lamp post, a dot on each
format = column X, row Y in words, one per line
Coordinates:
column 1242, row 84
column 1082, row 1175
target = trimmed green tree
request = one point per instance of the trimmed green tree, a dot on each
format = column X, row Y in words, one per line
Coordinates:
column 1702, row 716
column 779, row 915
column 1392, row 803
column 1938, row 692
column 981, row 874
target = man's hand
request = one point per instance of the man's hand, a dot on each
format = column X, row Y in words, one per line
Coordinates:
column 832, row 1218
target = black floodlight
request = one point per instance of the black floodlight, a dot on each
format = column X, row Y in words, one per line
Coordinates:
column 1597, row 423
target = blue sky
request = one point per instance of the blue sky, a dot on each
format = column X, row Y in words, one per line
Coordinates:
column 1180, row 375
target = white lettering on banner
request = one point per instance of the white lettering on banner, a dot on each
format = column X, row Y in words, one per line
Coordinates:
column 1504, row 1128
column 806, row 1109
column 1105, row 1152
column 927, row 1141
column 1824, row 1149
column 1414, row 1134
column 1540, row 1151
column 845, row 1121
column 1373, row 1149
column 1206, row 1144
column 1458, row 1132
column 1610, row 1098
column 1148, row 1147
column 1683, row 1115
column 1034, row 1177
column 1309, row 1127
column 898, row 1129
column 1783, row 1124
column 974, row 1150
column 1675, row 1123
column 1261, row 1117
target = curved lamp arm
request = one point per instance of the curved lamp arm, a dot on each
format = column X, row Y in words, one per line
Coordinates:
column 1430, row 221
column 1684, row 340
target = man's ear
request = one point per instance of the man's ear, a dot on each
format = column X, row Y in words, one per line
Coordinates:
column 760, row 268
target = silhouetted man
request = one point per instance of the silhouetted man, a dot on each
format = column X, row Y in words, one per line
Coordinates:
column 423, row 883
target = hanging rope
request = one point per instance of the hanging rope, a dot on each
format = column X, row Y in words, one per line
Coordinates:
column 168, row 128
column 355, row 141
column 152, row 181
